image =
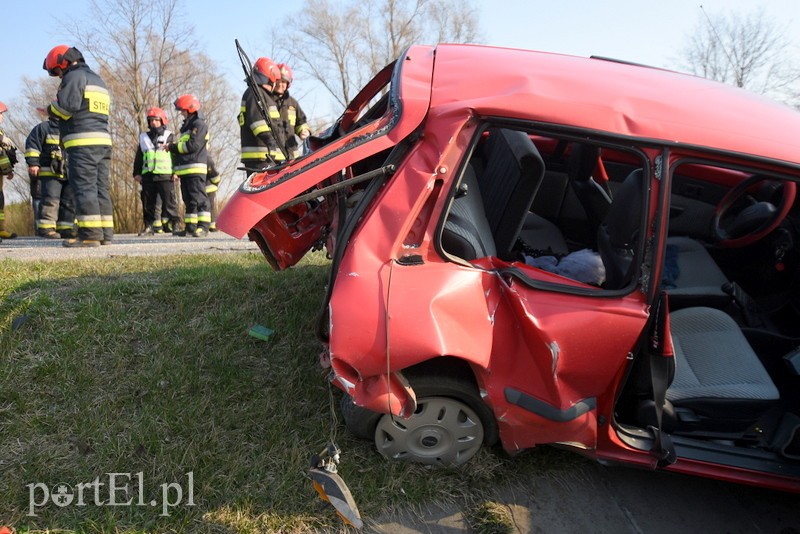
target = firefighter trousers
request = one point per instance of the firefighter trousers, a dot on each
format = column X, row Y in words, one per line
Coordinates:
column 2, row 205
column 56, row 206
column 152, row 192
column 195, row 200
column 89, row 175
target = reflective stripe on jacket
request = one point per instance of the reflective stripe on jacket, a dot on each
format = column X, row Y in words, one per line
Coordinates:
column 190, row 150
column 155, row 159
column 258, row 141
column 43, row 149
column 8, row 156
column 83, row 104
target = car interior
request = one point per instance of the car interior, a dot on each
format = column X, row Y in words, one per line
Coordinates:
column 575, row 206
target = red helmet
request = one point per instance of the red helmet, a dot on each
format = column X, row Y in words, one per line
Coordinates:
column 158, row 113
column 265, row 71
column 188, row 103
column 3, row 108
column 286, row 73
column 55, row 63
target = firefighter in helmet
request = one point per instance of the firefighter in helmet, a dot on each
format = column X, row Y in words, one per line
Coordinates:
column 8, row 158
column 260, row 147
column 55, row 217
column 292, row 126
column 152, row 169
column 83, row 105
column 190, row 160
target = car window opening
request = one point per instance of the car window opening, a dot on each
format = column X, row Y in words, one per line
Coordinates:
column 546, row 204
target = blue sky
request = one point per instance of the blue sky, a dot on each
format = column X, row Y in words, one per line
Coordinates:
column 635, row 30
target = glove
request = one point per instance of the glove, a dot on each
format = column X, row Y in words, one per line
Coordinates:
column 56, row 161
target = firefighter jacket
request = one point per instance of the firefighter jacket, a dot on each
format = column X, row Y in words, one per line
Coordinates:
column 212, row 178
column 152, row 156
column 292, row 122
column 8, row 155
column 83, row 104
column 190, row 153
column 258, row 142
column 43, row 149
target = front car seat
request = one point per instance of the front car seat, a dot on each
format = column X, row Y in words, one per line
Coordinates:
column 618, row 235
column 691, row 276
column 720, row 385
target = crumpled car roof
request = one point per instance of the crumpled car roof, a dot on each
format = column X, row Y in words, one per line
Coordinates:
column 615, row 97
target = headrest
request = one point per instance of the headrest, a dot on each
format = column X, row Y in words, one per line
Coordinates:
column 582, row 161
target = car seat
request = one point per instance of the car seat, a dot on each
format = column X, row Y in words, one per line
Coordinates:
column 618, row 235
column 720, row 385
column 512, row 174
column 691, row 276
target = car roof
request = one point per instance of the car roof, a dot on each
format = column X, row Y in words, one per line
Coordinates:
column 613, row 97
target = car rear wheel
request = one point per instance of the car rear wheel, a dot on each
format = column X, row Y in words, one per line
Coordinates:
column 359, row 421
column 448, row 428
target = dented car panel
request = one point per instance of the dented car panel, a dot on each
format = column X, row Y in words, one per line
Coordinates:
column 498, row 252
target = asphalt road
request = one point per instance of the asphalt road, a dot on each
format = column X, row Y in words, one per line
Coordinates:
column 618, row 500
column 37, row 248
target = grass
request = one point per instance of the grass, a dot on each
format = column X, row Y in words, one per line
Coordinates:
column 143, row 366
column 490, row 517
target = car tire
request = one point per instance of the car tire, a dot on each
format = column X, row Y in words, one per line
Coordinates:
column 359, row 421
column 449, row 427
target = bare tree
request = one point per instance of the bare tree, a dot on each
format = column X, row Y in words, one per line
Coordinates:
column 146, row 54
column 342, row 45
column 748, row 51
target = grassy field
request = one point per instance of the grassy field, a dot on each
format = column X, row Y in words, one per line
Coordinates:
column 143, row 367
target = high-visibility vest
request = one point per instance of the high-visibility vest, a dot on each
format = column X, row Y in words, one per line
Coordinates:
column 5, row 163
column 5, row 160
column 155, row 158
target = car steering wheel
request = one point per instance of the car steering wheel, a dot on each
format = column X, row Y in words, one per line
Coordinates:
column 756, row 220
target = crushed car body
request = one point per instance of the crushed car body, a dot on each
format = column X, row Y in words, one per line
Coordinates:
column 576, row 251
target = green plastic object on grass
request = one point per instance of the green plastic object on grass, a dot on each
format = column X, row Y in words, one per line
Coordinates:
column 260, row 332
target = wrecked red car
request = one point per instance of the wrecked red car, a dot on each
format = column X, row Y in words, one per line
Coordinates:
column 572, row 251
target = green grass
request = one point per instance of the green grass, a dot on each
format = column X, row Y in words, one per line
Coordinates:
column 490, row 517
column 144, row 365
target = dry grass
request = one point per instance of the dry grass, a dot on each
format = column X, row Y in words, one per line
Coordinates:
column 133, row 365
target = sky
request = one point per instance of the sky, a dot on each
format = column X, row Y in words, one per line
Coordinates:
column 642, row 31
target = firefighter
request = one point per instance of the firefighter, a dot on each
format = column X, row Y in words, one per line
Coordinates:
column 8, row 158
column 191, row 166
column 35, row 186
column 55, row 218
column 259, row 145
column 152, row 168
column 212, row 186
column 292, row 126
column 83, row 104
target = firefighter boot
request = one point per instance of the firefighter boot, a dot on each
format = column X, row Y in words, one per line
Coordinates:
column 74, row 243
column 148, row 230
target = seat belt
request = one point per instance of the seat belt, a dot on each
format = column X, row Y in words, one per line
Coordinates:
column 662, row 359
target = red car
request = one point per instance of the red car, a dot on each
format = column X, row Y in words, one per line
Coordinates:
column 534, row 248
